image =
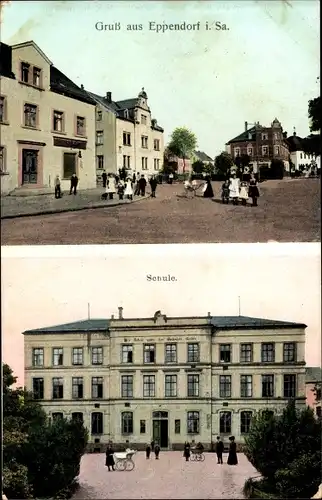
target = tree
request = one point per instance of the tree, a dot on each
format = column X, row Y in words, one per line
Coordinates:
column 276, row 444
column 182, row 143
column 223, row 162
column 198, row 167
column 315, row 114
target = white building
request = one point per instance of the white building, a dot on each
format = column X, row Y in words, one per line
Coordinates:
column 47, row 124
column 167, row 379
column 302, row 161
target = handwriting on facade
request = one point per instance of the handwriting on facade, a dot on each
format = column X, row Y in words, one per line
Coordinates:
column 160, row 339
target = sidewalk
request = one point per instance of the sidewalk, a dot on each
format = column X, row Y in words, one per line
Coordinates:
column 15, row 206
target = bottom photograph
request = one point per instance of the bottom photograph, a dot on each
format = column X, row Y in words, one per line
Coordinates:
column 131, row 378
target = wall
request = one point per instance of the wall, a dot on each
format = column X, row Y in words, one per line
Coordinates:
column 108, row 149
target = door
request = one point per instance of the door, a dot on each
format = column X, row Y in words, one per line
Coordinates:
column 29, row 166
column 69, row 167
column 156, row 431
column 160, row 432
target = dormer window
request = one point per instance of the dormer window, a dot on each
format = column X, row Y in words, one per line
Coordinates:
column 25, row 67
column 126, row 113
column 143, row 119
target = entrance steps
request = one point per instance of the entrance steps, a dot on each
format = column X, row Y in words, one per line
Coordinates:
column 30, row 191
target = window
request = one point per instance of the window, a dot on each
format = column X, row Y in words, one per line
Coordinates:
column 246, row 386
column 143, row 119
column 69, row 165
column 126, row 139
column 2, row 110
column 193, row 353
column 149, row 353
column 156, row 163
column 177, row 425
column 267, row 386
column 246, row 353
column 276, row 136
column 97, row 355
column 225, row 386
column 77, row 356
column 36, row 72
column 25, row 67
column 144, row 141
column 126, row 161
column 100, row 161
column 289, row 386
column 97, row 387
column 57, row 356
column 237, row 151
column 268, row 353
column 245, row 421
column 77, row 387
column 77, row 415
column 289, row 352
column 193, row 422
column 99, row 115
column 144, row 162
column 97, row 423
column 301, row 156
column 127, row 386
column 277, row 150
column 193, row 385
column 225, row 422
column 264, row 150
column 127, row 422
column 2, row 159
column 142, row 427
column 99, row 137
column 80, row 125
column 38, row 388
column 57, row 416
column 126, row 113
column 264, row 137
column 170, row 386
column 171, row 353
column 127, row 353
column 149, row 386
column 225, row 353
column 156, row 144
column 30, row 115
column 38, row 356
column 58, row 388
column 250, row 150
column 58, row 121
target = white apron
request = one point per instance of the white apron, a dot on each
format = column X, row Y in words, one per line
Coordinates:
column 234, row 188
column 128, row 189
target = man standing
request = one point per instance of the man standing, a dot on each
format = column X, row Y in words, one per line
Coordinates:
column 153, row 184
column 73, row 184
column 142, row 185
column 57, row 187
column 104, row 178
column 219, row 450
column 170, row 178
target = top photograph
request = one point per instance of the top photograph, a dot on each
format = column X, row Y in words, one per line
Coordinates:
column 160, row 122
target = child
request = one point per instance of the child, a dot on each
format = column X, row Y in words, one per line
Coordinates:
column 148, row 451
column 243, row 193
column 120, row 189
column 225, row 192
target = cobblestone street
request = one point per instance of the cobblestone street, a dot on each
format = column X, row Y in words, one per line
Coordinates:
column 289, row 210
column 170, row 477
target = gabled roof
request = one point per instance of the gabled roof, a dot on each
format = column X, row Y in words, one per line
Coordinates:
column 31, row 43
column 239, row 322
column 109, row 105
column 202, row 156
column 313, row 374
column 87, row 325
column 6, row 61
column 61, row 84
column 244, row 136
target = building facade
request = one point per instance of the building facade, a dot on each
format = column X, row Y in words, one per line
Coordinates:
column 47, row 124
column 302, row 161
column 313, row 386
column 167, row 379
column 261, row 144
column 138, row 139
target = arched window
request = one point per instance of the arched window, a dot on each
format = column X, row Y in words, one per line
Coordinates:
column 57, row 416
column 245, row 421
column 97, row 423
column 127, row 422
column 225, row 422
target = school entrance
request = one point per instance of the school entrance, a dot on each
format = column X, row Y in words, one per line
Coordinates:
column 161, row 428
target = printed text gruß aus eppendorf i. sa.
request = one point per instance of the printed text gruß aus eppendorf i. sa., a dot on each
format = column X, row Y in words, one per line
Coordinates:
column 162, row 27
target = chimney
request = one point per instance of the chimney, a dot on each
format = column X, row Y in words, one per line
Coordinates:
column 82, row 86
column 120, row 312
column 109, row 96
column 209, row 315
column 246, row 126
column 112, row 316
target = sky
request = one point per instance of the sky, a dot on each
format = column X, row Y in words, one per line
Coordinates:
column 42, row 287
column 265, row 65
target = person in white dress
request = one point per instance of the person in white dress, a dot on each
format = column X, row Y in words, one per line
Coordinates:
column 243, row 193
column 128, row 189
column 234, row 188
column 111, row 186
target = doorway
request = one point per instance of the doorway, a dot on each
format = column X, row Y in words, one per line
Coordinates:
column 29, row 166
column 161, row 428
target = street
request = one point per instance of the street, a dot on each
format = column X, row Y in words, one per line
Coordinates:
column 289, row 210
column 167, row 478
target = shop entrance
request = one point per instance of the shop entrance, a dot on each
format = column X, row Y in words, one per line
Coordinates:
column 161, row 428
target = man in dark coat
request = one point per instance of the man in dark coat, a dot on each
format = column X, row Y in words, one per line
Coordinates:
column 232, row 455
column 219, row 450
column 104, row 178
column 153, row 184
column 157, row 450
column 148, row 451
column 73, row 184
column 109, row 462
column 142, row 185
column 186, row 451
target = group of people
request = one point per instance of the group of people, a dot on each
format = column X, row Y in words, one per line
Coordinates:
column 187, row 449
column 153, row 447
column 73, row 186
column 127, row 187
column 232, row 454
column 240, row 190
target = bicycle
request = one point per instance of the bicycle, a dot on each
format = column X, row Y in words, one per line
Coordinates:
column 124, row 461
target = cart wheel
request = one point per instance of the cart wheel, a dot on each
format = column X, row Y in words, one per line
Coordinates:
column 192, row 457
column 120, row 465
column 202, row 457
column 129, row 465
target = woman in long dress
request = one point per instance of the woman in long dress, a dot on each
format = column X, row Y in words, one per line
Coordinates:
column 109, row 462
column 111, row 186
column 128, row 192
column 253, row 190
column 186, row 451
column 208, row 192
column 234, row 188
column 232, row 455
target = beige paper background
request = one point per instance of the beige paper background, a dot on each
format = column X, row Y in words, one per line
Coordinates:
column 44, row 286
